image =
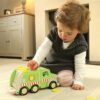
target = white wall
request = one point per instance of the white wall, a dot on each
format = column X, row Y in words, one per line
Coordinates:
column 8, row 4
column 42, row 27
column 2, row 6
column 30, row 5
column 11, row 4
column 95, row 31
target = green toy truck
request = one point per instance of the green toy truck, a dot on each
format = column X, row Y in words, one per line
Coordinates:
column 23, row 80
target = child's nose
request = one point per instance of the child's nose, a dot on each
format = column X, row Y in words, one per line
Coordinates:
column 64, row 35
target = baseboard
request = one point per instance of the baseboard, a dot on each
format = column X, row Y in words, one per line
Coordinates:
column 9, row 57
column 93, row 62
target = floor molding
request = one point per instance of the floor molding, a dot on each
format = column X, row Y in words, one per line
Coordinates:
column 93, row 62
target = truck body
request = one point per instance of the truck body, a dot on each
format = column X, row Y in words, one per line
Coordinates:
column 23, row 80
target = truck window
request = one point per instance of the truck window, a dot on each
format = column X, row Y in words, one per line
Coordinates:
column 45, row 74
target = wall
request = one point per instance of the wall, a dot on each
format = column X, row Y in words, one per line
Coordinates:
column 30, row 5
column 2, row 6
column 95, row 31
column 42, row 27
column 11, row 4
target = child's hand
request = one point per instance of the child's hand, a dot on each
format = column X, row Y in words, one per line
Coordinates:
column 77, row 87
column 33, row 65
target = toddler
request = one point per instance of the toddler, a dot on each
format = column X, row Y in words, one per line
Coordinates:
column 64, row 48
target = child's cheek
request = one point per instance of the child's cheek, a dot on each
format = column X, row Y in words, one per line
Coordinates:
column 59, row 35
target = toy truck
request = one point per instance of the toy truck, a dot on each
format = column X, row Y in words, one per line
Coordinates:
column 23, row 80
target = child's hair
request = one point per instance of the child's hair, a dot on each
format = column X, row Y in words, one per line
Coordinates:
column 73, row 15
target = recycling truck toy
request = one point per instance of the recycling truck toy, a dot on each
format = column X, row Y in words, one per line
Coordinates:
column 24, row 80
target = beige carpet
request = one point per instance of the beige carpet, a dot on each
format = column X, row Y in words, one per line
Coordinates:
column 92, row 82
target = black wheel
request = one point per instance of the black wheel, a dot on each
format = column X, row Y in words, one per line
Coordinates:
column 52, row 85
column 34, row 89
column 23, row 91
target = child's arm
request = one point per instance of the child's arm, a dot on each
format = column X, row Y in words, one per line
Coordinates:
column 79, row 70
column 40, row 54
column 43, row 51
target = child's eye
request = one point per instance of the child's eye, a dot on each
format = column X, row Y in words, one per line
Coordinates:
column 68, row 33
column 60, row 31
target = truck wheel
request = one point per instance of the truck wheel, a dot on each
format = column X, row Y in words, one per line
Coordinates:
column 52, row 85
column 34, row 89
column 23, row 91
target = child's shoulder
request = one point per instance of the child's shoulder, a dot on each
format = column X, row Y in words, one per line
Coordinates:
column 54, row 29
column 53, row 34
column 80, row 39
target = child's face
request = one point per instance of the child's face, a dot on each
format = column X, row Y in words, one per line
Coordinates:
column 65, row 33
